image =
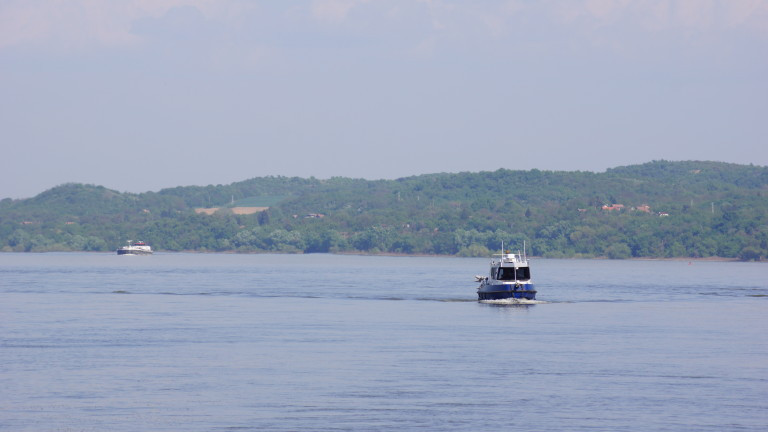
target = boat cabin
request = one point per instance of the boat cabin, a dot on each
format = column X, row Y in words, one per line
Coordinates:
column 510, row 267
column 511, row 273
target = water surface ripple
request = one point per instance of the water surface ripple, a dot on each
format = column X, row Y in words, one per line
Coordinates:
column 209, row 342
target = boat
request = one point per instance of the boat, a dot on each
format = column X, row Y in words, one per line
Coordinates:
column 135, row 248
column 509, row 278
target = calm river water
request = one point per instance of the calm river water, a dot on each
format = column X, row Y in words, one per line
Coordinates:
column 209, row 342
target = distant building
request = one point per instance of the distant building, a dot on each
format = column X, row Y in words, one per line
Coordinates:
column 234, row 210
column 613, row 207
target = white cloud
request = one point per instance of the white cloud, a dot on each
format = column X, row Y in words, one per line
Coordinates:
column 750, row 13
column 658, row 14
column 73, row 24
column 333, row 10
column 604, row 9
column 695, row 13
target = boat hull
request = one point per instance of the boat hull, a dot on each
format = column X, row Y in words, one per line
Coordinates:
column 133, row 252
column 500, row 292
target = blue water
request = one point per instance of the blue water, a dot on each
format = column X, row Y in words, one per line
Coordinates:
column 207, row 342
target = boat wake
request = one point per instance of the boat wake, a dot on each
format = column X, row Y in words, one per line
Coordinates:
column 513, row 301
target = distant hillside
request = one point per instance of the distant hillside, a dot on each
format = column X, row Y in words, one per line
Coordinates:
column 657, row 209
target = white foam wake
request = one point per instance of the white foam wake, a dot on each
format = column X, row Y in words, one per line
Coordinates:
column 513, row 301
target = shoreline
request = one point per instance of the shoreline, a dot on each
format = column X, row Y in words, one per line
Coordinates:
column 405, row 255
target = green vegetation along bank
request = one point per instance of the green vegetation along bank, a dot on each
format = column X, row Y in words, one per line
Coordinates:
column 660, row 209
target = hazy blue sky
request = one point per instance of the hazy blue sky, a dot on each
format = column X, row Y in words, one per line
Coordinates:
column 139, row 95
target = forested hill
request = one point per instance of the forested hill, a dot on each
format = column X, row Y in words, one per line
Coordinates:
column 657, row 209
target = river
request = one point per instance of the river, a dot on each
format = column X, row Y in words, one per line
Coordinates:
column 224, row 342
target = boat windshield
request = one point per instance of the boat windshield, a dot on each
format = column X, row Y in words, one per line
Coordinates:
column 510, row 273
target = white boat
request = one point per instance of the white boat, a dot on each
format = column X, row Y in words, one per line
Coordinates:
column 135, row 248
column 509, row 277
